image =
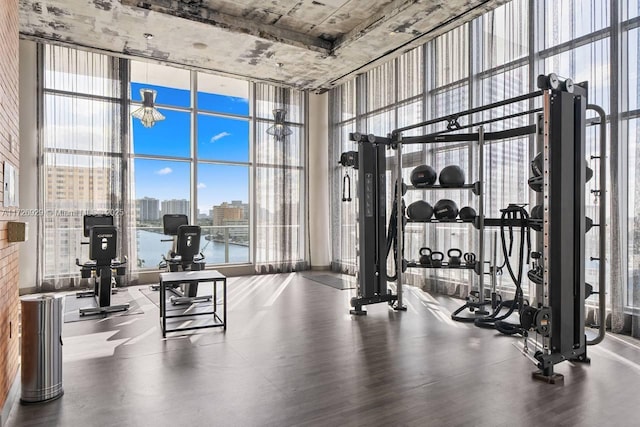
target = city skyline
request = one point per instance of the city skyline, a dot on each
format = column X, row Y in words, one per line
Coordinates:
column 151, row 209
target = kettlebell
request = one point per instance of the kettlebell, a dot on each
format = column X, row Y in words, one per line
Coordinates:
column 425, row 256
column 454, row 257
column 470, row 259
column 436, row 259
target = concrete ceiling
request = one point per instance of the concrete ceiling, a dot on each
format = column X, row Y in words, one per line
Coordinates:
column 306, row 44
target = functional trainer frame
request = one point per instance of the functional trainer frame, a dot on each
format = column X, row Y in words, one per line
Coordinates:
column 559, row 311
column 372, row 245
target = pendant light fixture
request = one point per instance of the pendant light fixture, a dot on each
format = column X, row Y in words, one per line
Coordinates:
column 148, row 114
column 279, row 130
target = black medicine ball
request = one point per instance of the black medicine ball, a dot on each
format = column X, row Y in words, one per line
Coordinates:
column 588, row 172
column 445, row 209
column 467, row 213
column 423, row 176
column 588, row 290
column 537, row 212
column 420, row 211
column 588, row 224
column 452, row 176
column 535, row 183
column 536, row 165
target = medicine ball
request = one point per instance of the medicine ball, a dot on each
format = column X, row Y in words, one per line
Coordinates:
column 420, row 211
column 588, row 224
column 537, row 212
column 452, row 176
column 467, row 213
column 536, row 165
column 535, row 183
column 588, row 172
column 588, row 290
column 423, row 176
column 445, row 209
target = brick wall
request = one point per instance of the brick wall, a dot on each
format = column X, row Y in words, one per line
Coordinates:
column 9, row 146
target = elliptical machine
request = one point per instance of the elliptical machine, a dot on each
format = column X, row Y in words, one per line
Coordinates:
column 185, row 255
column 103, row 239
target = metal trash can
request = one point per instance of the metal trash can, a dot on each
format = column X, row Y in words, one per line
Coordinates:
column 41, row 370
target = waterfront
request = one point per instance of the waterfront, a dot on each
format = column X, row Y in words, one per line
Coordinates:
column 151, row 249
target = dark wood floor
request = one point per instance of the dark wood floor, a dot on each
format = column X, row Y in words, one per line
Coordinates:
column 292, row 355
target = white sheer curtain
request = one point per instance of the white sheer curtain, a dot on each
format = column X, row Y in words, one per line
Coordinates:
column 342, row 107
column 81, row 162
column 630, row 130
column 279, row 182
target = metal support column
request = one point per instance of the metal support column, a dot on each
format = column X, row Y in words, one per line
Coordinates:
column 481, row 219
column 399, row 226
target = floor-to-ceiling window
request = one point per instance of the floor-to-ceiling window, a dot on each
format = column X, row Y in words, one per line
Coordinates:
column 211, row 159
column 80, row 169
column 630, row 131
column 195, row 162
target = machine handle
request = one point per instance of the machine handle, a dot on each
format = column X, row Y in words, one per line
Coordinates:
column 116, row 263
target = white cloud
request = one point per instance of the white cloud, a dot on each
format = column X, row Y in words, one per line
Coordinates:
column 164, row 171
column 202, row 185
column 221, row 135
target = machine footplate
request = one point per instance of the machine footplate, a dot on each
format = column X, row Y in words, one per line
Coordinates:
column 103, row 310
column 549, row 379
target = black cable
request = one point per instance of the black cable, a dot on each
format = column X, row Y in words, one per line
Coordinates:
column 509, row 215
column 509, row 328
column 392, row 237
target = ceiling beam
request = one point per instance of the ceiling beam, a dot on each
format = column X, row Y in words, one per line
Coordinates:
column 361, row 30
column 195, row 10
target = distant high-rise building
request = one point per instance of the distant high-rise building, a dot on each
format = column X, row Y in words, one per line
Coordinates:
column 80, row 185
column 234, row 217
column 148, row 209
column 175, row 206
column 235, row 211
column 244, row 206
column 71, row 192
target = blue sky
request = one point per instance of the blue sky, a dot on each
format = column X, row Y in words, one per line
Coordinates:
column 219, row 138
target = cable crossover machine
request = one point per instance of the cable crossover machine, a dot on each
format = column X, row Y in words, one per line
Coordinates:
column 552, row 323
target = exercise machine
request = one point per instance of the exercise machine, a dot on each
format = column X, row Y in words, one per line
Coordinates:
column 102, row 264
column 373, row 243
column 558, row 316
column 184, row 255
column 553, row 322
